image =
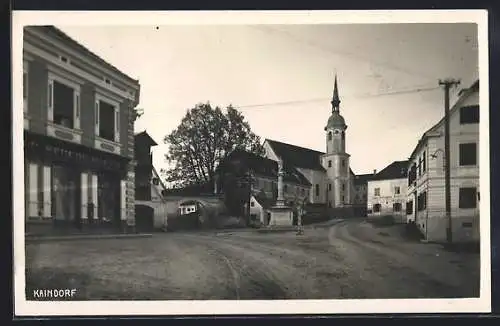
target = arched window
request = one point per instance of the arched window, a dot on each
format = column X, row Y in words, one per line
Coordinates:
column 329, row 135
column 343, row 135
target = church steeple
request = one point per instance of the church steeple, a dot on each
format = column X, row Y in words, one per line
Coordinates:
column 335, row 99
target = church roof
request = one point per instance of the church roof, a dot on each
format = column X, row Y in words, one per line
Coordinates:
column 335, row 120
column 297, row 156
column 265, row 167
column 395, row 170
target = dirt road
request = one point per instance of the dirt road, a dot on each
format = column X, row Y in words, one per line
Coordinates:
column 351, row 259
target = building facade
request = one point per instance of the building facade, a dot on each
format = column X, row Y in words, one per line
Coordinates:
column 150, row 202
column 426, row 172
column 387, row 192
column 78, row 135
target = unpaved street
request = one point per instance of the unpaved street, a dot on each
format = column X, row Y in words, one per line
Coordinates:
column 349, row 259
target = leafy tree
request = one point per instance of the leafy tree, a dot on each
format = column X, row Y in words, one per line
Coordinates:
column 203, row 139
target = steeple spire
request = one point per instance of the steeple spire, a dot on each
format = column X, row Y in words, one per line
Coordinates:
column 335, row 99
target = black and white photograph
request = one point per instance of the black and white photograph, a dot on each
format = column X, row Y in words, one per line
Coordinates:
column 275, row 162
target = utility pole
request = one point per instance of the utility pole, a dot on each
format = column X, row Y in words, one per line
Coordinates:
column 447, row 84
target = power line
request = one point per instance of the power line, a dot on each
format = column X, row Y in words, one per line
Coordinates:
column 360, row 96
column 341, row 53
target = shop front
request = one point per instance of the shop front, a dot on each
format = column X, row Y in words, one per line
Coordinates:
column 72, row 188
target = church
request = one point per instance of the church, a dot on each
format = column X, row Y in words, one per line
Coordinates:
column 319, row 179
column 333, row 183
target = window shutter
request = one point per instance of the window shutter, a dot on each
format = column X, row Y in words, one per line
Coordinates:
column 97, row 117
column 76, row 109
column 50, row 100
column 117, row 124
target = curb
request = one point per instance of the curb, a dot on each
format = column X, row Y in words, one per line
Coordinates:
column 86, row 237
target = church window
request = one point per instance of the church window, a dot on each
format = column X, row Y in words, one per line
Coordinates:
column 343, row 135
column 343, row 187
column 343, row 163
column 336, row 132
column 329, row 187
column 342, row 198
column 317, row 190
column 330, row 135
column 330, row 163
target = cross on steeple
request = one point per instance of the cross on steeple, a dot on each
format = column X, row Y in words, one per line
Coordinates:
column 335, row 99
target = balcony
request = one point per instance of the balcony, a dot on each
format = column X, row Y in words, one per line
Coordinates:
column 107, row 145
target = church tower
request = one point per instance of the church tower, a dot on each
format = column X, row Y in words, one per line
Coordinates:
column 336, row 160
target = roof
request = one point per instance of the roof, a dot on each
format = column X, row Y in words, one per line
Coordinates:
column 263, row 200
column 335, row 120
column 395, row 170
column 297, row 156
column 144, row 134
column 50, row 29
column 363, row 178
column 264, row 166
column 463, row 94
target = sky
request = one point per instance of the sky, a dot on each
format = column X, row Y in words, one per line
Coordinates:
column 281, row 78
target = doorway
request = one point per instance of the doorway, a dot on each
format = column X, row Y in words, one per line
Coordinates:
column 65, row 195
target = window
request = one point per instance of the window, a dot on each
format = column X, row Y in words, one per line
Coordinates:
column 409, row 207
column 419, row 166
column 396, row 207
column 330, row 204
column 302, row 191
column 156, row 181
column 397, row 190
column 467, row 154
column 107, row 118
column 343, row 186
column 343, row 163
column 343, row 199
column 25, row 87
column 252, row 204
column 285, row 188
column 377, row 191
column 330, row 135
column 329, row 187
column 423, row 163
column 343, row 135
column 376, row 208
column 329, row 163
column 467, row 198
column 317, row 190
column 63, row 102
column 422, row 201
column 469, row 114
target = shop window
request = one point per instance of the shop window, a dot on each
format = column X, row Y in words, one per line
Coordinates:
column 467, row 198
column 107, row 119
column 469, row 114
column 376, row 208
column 468, row 154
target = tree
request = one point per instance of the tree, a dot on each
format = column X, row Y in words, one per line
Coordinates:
column 203, row 139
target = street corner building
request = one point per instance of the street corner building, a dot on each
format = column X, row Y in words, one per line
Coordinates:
column 426, row 174
column 78, row 136
column 387, row 192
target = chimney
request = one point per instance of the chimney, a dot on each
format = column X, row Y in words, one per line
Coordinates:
column 374, row 171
